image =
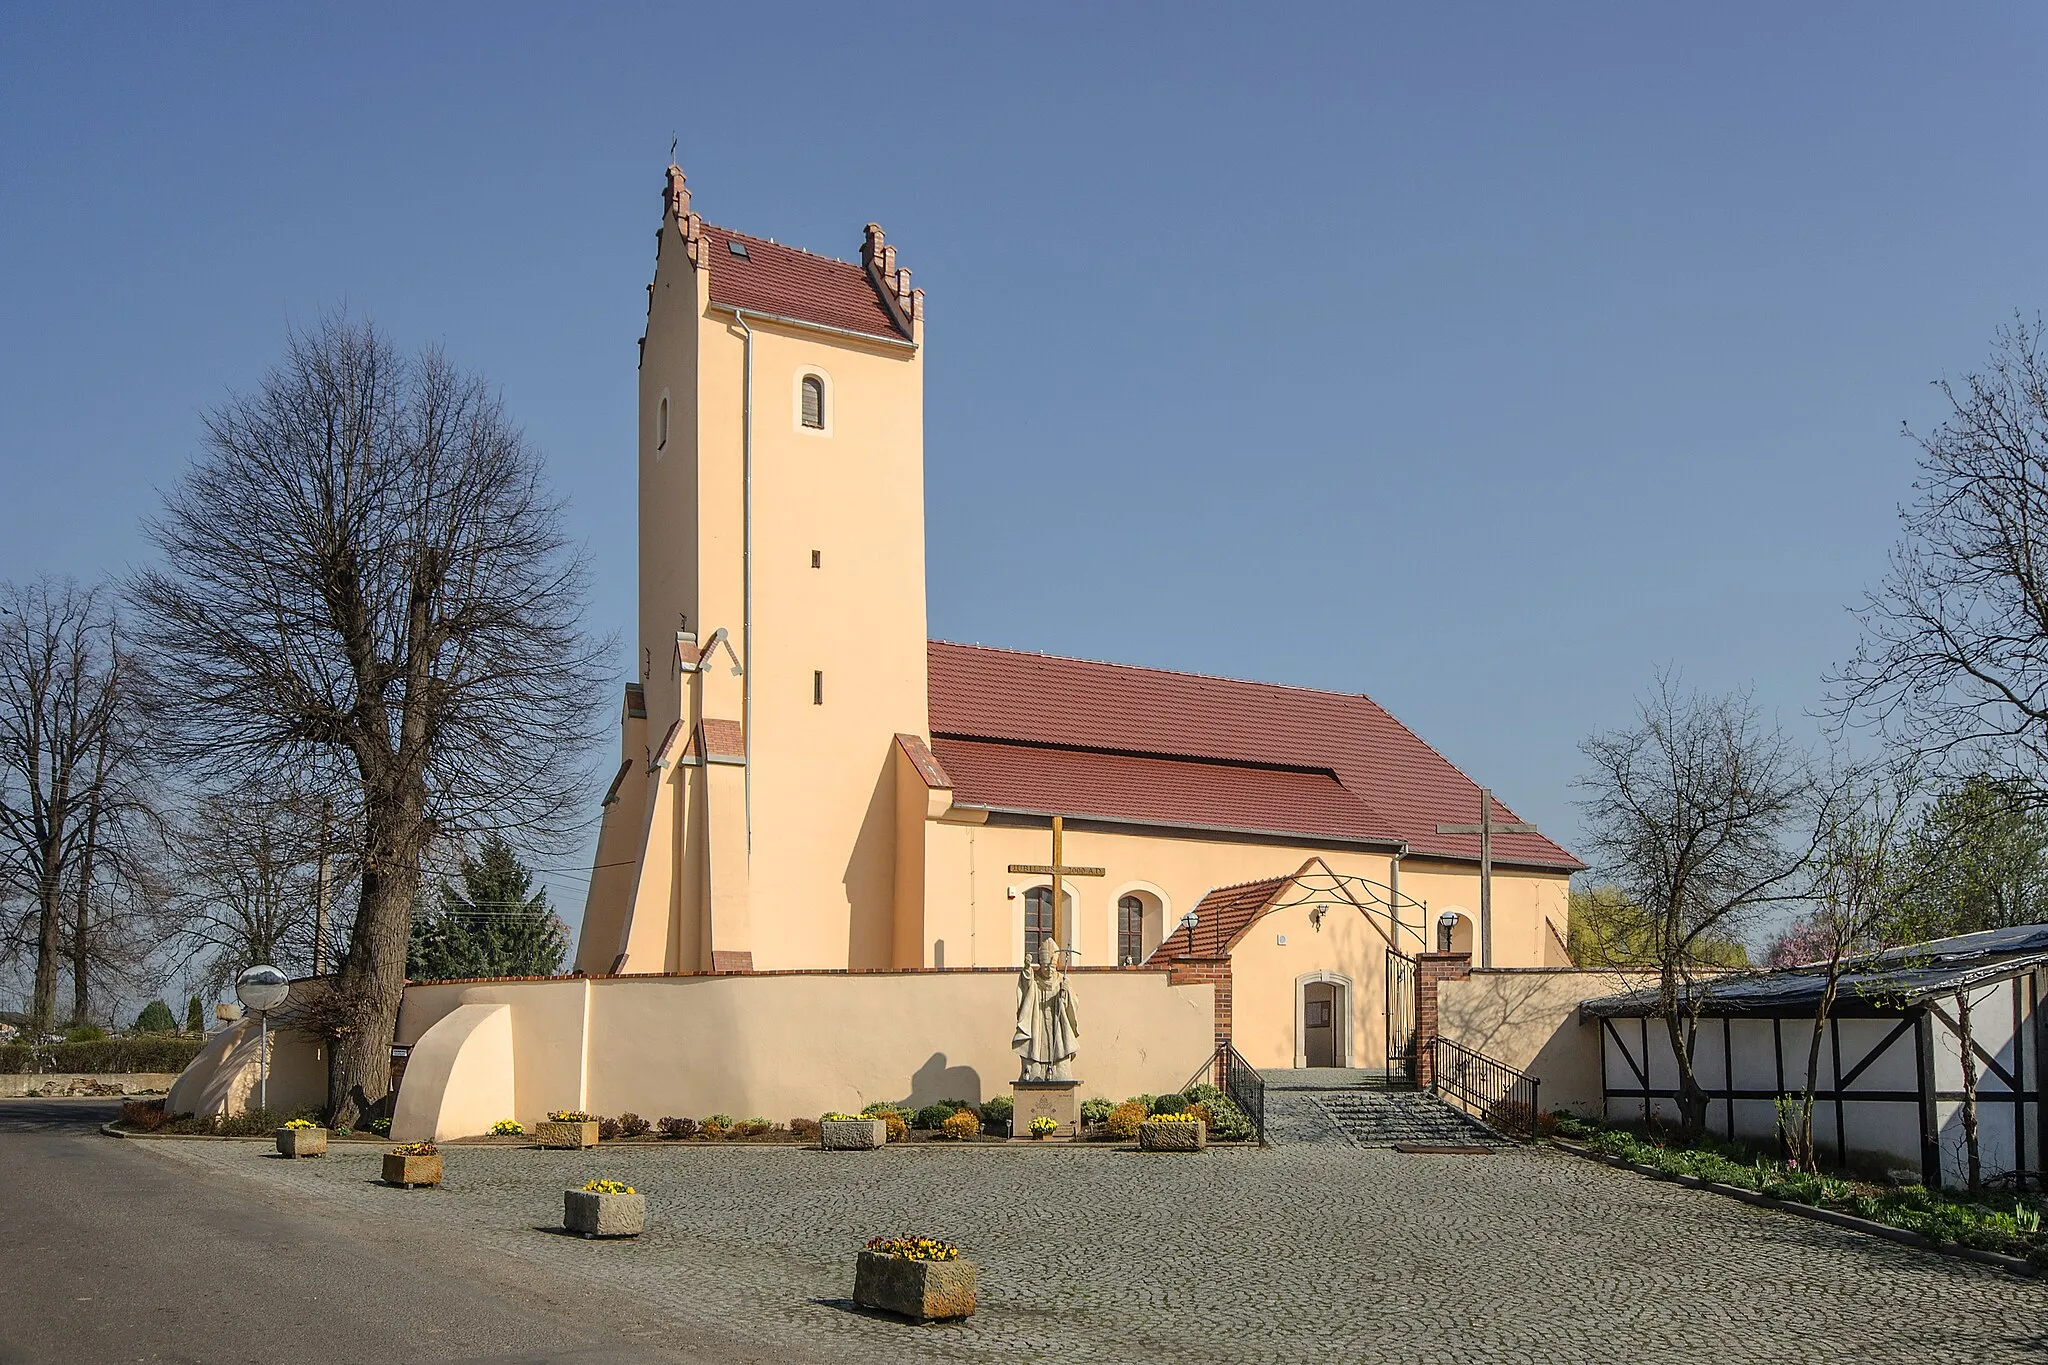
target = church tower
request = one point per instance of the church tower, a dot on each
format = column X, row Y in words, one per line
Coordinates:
column 781, row 642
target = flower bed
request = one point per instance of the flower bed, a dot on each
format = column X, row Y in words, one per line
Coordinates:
column 2006, row 1224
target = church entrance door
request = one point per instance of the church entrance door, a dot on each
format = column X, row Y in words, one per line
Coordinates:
column 1322, row 1009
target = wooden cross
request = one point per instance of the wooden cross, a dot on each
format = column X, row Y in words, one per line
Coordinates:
column 1057, row 871
column 1486, row 829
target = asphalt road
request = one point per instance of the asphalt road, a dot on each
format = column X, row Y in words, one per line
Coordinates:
column 107, row 1254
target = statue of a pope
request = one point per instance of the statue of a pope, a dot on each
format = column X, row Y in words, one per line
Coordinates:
column 1046, row 1026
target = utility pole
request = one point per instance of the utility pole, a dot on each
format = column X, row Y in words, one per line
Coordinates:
column 320, row 896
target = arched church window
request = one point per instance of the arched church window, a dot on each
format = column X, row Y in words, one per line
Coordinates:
column 1130, row 930
column 1038, row 922
column 814, row 402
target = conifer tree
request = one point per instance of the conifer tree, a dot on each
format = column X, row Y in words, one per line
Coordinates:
column 495, row 924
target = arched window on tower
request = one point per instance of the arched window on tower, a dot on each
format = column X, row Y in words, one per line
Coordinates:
column 814, row 402
column 1130, row 931
column 1038, row 922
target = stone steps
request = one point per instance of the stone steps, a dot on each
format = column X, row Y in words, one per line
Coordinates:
column 1368, row 1116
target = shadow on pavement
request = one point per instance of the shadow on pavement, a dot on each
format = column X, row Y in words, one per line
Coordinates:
column 56, row 1116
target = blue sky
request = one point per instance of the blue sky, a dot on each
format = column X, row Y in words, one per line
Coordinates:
column 1480, row 358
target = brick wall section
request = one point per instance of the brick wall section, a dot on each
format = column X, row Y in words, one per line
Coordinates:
column 1431, row 968
column 1216, row 971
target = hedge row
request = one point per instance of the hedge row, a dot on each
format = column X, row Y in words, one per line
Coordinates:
column 107, row 1057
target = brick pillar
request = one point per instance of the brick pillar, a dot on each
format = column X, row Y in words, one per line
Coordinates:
column 1431, row 968
column 1215, row 970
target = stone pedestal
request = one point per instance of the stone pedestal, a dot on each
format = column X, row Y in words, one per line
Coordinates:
column 1059, row 1101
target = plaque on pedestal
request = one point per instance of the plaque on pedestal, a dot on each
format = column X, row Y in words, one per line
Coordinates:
column 1056, row 1100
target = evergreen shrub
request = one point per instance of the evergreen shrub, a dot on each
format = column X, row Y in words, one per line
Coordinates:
column 156, row 1017
column 102, row 1057
column 996, row 1113
column 1096, row 1110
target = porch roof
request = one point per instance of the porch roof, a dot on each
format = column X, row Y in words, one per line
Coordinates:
column 1882, row 983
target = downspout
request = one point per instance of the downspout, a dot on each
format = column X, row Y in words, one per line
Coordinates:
column 747, row 579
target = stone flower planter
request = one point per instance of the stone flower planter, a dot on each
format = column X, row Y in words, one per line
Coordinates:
column 302, row 1141
column 922, row 1291
column 1172, row 1137
column 852, row 1135
column 604, row 1215
column 575, row 1135
column 412, row 1170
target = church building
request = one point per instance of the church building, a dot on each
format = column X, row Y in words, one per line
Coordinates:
column 808, row 783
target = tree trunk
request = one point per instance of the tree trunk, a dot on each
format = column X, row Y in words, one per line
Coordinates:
column 1967, row 1046
column 81, row 923
column 1803, row 1151
column 49, row 920
column 371, row 982
column 1692, row 1096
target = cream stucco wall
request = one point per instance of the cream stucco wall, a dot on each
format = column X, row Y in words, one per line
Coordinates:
column 226, row 1076
column 1529, row 1020
column 459, row 1078
column 794, row 1045
column 1285, row 946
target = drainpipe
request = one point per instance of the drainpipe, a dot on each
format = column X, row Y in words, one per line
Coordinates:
column 747, row 578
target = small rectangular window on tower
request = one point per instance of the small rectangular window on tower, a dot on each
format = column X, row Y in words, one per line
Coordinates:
column 818, row 688
column 817, row 559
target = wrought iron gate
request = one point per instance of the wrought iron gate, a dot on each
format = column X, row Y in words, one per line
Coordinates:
column 1400, row 1001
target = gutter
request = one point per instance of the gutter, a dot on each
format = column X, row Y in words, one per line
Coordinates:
column 782, row 320
column 747, row 577
column 1399, row 846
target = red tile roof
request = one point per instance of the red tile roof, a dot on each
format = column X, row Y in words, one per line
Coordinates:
column 1220, row 917
column 1086, row 719
column 927, row 764
column 772, row 278
column 1157, row 791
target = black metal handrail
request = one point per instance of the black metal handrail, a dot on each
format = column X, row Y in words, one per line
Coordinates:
column 1495, row 1093
column 1239, row 1079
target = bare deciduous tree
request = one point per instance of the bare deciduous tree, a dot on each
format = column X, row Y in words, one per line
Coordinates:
column 248, row 872
column 365, row 579
column 1697, row 812
column 73, row 810
column 1857, row 891
column 1955, row 651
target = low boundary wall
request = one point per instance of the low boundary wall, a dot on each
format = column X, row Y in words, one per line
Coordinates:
column 1528, row 1018
column 773, row 1044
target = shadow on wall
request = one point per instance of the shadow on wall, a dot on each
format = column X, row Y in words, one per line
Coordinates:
column 935, row 1081
column 1527, row 1018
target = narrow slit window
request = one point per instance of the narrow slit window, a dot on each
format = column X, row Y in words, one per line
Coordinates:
column 818, row 688
column 661, row 425
column 817, row 559
column 814, row 402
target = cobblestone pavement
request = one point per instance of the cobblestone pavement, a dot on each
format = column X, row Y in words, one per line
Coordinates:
column 1286, row 1254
